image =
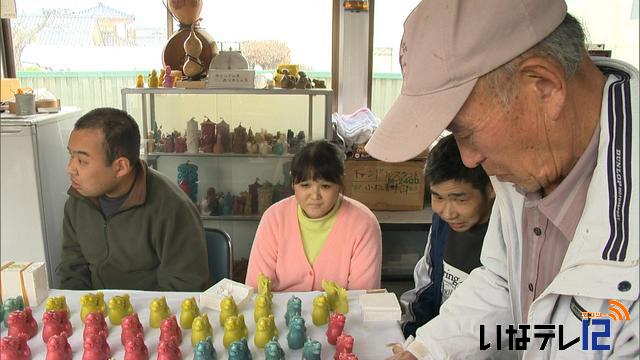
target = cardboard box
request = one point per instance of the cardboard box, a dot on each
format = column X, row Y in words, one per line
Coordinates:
column 385, row 186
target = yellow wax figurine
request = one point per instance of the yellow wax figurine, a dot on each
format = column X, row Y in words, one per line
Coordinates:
column 331, row 290
column 159, row 310
column 92, row 303
column 320, row 313
column 161, row 76
column 265, row 331
column 342, row 303
column 153, row 79
column 200, row 329
column 188, row 311
column 56, row 303
column 232, row 331
column 262, row 308
column 119, row 307
column 264, row 286
column 243, row 325
column 139, row 81
column 228, row 308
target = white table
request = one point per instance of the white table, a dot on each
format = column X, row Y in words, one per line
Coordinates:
column 370, row 338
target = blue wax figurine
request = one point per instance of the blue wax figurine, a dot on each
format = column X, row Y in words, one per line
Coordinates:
column 312, row 350
column 228, row 204
column 239, row 350
column 294, row 307
column 297, row 333
column 188, row 179
column 204, row 350
column 10, row 305
column 273, row 351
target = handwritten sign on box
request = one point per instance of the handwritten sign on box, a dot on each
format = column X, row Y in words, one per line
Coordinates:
column 386, row 186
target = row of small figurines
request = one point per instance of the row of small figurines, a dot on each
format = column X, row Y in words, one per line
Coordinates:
column 57, row 327
column 167, row 78
column 246, row 203
column 207, row 140
column 290, row 81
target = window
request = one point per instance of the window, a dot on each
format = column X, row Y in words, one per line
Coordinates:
column 85, row 51
column 274, row 32
column 613, row 24
column 388, row 25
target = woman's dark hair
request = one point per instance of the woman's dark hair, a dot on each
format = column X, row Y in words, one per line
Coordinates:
column 444, row 163
column 318, row 160
column 120, row 130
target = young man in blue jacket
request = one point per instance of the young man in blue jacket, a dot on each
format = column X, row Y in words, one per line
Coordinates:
column 461, row 199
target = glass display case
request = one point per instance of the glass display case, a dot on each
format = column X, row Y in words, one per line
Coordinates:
column 292, row 112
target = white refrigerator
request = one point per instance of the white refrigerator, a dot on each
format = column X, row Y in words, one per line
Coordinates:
column 34, row 186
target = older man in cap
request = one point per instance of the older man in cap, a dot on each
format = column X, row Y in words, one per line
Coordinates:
column 558, row 133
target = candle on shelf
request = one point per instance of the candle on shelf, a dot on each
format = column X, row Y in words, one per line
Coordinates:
column 193, row 138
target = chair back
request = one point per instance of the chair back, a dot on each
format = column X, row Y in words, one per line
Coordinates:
column 219, row 254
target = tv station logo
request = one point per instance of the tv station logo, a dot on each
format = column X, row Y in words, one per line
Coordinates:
column 596, row 328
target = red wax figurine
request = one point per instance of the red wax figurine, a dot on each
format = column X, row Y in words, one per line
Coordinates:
column 135, row 349
column 169, row 329
column 22, row 322
column 169, row 350
column 58, row 347
column 336, row 324
column 347, row 356
column 55, row 323
column 130, row 327
column 14, row 348
column 344, row 345
column 95, row 324
column 96, row 347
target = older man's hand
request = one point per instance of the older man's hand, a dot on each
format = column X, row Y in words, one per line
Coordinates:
column 400, row 354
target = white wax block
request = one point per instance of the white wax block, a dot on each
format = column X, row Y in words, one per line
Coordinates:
column 212, row 296
column 381, row 315
column 2, row 266
column 35, row 283
column 379, row 302
column 12, row 280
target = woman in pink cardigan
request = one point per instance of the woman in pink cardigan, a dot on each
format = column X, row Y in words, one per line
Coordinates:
column 317, row 234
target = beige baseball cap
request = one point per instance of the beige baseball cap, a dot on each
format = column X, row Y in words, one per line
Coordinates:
column 446, row 46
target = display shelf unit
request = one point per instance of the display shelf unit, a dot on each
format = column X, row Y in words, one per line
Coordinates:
column 148, row 101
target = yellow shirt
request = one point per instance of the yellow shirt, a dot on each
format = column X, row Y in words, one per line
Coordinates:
column 314, row 232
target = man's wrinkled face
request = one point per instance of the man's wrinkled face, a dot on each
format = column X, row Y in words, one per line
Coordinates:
column 508, row 141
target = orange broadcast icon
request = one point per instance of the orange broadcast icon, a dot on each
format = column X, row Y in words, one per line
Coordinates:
column 618, row 311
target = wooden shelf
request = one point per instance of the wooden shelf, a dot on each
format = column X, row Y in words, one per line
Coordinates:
column 405, row 217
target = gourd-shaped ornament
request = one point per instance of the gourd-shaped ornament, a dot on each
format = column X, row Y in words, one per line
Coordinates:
column 193, row 67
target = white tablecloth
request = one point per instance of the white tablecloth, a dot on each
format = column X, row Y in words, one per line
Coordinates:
column 370, row 338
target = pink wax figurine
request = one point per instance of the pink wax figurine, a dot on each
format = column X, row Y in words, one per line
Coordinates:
column 96, row 347
column 55, row 323
column 344, row 345
column 58, row 348
column 336, row 324
column 135, row 349
column 169, row 330
column 14, row 348
column 169, row 350
column 167, row 81
column 22, row 322
column 218, row 148
column 207, row 135
column 181, row 144
column 131, row 326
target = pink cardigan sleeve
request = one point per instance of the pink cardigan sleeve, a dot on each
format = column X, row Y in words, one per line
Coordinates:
column 366, row 263
column 264, row 256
